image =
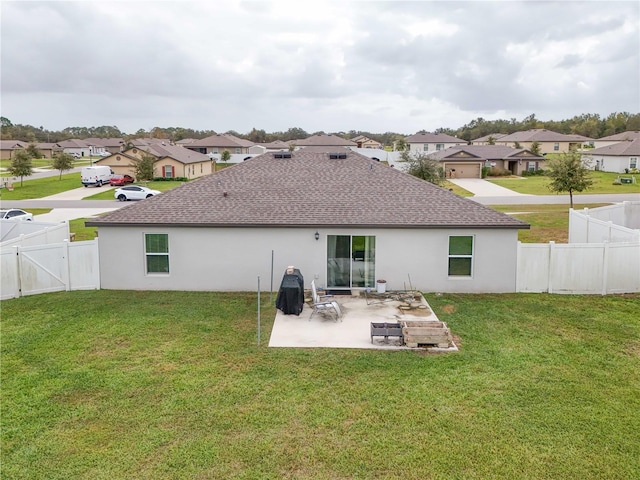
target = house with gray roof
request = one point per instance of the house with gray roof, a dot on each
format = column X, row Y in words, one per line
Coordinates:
column 76, row 147
column 218, row 143
column 547, row 140
column 620, row 157
column 170, row 161
column 467, row 161
column 343, row 219
column 487, row 139
column 323, row 140
column 627, row 136
column 8, row 147
column 432, row 142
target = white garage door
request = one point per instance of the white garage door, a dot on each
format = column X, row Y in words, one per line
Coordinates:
column 463, row 170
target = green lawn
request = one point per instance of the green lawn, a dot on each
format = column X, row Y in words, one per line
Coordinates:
column 548, row 222
column 167, row 385
column 161, row 186
column 42, row 187
column 603, row 183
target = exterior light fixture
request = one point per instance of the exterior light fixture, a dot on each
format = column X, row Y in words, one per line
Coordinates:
column 317, row 235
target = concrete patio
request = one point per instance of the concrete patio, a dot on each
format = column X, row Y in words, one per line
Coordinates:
column 354, row 329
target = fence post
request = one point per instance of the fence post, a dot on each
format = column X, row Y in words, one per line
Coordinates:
column 18, row 292
column 518, row 267
column 549, row 273
column 605, row 267
column 66, row 277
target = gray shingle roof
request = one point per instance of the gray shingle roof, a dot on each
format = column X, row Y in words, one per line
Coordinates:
column 309, row 189
column 486, row 152
column 621, row 137
column 181, row 154
column 542, row 135
column 621, row 149
column 433, row 138
column 217, row 140
column 323, row 140
column 495, row 136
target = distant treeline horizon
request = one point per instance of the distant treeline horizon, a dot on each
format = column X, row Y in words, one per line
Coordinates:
column 588, row 125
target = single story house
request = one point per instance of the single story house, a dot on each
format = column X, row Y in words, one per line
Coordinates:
column 170, row 161
column 548, row 141
column 366, row 142
column 323, row 140
column 76, row 147
column 49, row 150
column 219, row 143
column 8, row 147
column 627, row 136
column 343, row 219
column 432, row 142
column 110, row 145
column 467, row 161
column 620, row 157
column 487, row 139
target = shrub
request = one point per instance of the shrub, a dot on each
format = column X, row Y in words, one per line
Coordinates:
column 170, row 179
column 498, row 172
column 485, row 171
column 533, row 173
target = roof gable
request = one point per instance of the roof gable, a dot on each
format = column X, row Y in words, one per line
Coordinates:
column 620, row 149
column 310, row 189
column 433, row 138
column 323, row 140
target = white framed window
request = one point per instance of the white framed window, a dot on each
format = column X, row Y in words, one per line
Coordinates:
column 460, row 256
column 214, row 150
column 633, row 162
column 238, row 150
column 556, row 146
column 156, row 251
column 531, row 166
column 168, row 171
column 439, row 146
column 425, row 147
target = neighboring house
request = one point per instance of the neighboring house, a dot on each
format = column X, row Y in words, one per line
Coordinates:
column 616, row 138
column 467, row 161
column 49, row 150
column 549, row 142
column 7, row 147
column 76, row 147
column 365, row 142
column 621, row 157
column 171, row 161
column 341, row 218
column 432, row 142
column 275, row 146
column 486, row 139
column 217, row 144
column 323, row 140
column 109, row 145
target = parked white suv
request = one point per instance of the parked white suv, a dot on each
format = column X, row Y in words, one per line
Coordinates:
column 134, row 192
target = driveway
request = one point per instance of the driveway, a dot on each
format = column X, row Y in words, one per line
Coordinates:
column 65, row 214
column 483, row 188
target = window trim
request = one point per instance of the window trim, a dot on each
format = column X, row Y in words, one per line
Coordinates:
column 156, row 254
column 470, row 256
column 634, row 160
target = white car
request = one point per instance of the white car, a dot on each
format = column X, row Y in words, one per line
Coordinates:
column 15, row 214
column 134, row 192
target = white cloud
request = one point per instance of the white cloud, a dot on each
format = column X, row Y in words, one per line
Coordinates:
column 377, row 66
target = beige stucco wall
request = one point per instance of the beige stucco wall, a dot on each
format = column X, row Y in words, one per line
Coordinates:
column 192, row 170
column 229, row 259
column 545, row 147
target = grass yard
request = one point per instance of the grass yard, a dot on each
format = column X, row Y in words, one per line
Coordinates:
column 42, row 187
column 602, row 183
column 548, row 222
column 155, row 385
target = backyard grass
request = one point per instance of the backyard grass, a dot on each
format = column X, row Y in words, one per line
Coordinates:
column 548, row 222
column 154, row 385
column 537, row 185
column 81, row 231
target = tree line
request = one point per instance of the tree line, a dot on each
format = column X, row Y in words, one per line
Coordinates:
column 588, row 125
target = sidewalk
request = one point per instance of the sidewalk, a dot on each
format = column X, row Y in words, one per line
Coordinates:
column 65, row 214
column 484, row 188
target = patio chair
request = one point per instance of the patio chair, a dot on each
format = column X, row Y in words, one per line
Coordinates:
column 320, row 305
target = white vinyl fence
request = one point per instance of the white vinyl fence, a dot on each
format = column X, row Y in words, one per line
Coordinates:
column 29, row 270
column 32, row 233
column 613, row 223
column 578, row 268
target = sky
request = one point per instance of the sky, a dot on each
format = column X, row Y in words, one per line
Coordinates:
column 320, row 66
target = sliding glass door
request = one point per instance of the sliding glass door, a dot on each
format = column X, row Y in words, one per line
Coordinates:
column 350, row 261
